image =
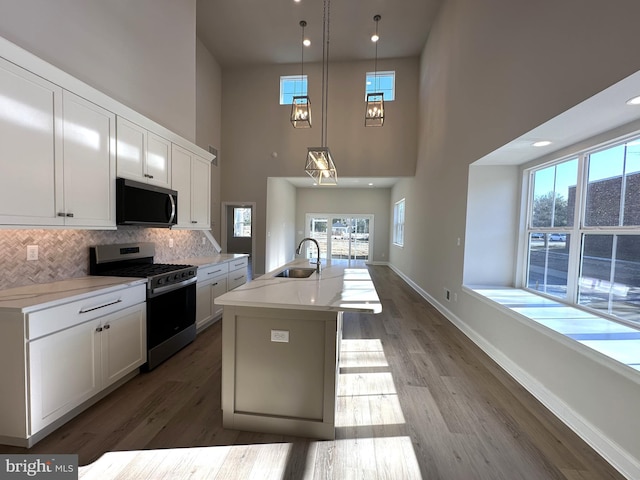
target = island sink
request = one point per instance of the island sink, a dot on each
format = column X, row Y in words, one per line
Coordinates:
column 296, row 272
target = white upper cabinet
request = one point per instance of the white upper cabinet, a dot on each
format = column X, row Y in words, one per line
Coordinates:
column 56, row 155
column 89, row 163
column 30, row 184
column 142, row 155
column 190, row 177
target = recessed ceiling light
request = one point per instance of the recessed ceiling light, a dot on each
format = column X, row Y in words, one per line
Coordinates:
column 371, row 184
column 306, row 42
column 634, row 101
column 541, row 143
column 375, row 38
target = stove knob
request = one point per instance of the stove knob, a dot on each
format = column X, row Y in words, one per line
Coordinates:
column 184, row 274
column 160, row 281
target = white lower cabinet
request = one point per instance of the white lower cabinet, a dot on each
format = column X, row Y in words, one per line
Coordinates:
column 62, row 356
column 212, row 282
column 69, row 367
column 237, row 273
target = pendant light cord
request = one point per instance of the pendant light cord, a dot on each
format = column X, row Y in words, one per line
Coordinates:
column 325, row 69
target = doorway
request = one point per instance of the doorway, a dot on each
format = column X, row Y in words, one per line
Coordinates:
column 238, row 226
column 342, row 238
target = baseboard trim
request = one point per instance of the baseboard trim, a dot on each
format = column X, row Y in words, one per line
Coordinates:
column 609, row 450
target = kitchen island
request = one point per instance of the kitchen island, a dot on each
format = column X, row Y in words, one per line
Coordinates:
column 281, row 347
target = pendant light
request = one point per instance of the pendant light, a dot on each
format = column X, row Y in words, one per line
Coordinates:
column 301, row 105
column 319, row 164
column 374, row 112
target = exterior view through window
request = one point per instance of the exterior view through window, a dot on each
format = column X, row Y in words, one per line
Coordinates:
column 342, row 237
column 584, row 231
column 241, row 222
column 381, row 82
column 292, row 86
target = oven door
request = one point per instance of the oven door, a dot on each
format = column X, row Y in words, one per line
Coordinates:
column 170, row 313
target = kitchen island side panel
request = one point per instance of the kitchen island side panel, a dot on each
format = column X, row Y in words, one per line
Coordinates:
column 277, row 386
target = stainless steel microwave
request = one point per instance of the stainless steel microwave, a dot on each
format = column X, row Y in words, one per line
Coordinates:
column 146, row 205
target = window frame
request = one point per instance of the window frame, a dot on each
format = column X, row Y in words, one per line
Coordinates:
column 578, row 230
column 389, row 95
column 236, row 223
column 293, row 78
column 399, row 223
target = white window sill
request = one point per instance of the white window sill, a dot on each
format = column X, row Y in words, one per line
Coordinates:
column 615, row 341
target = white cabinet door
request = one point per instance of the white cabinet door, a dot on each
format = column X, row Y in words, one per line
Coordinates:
column 142, row 155
column 191, row 178
column 123, row 340
column 181, row 182
column 158, row 164
column 64, row 371
column 89, row 163
column 31, row 179
column 218, row 288
column 130, row 150
column 204, row 302
column 200, row 192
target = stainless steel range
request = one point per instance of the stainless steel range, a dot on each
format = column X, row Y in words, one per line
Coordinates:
column 171, row 294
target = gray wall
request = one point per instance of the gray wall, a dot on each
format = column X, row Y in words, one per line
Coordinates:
column 140, row 53
column 490, row 72
column 280, row 223
column 209, row 122
column 255, row 126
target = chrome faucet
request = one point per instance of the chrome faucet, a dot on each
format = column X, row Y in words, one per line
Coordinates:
column 299, row 249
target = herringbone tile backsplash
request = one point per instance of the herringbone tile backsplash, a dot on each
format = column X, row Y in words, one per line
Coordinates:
column 64, row 254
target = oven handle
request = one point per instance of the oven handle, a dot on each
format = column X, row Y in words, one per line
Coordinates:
column 173, row 208
column 168, row 288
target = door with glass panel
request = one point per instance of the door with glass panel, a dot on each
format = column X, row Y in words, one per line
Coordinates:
column 341, row 237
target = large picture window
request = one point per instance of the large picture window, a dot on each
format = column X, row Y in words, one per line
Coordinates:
column 583, row 230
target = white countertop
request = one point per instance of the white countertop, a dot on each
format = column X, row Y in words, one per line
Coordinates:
column 336, row 288
column 44, row 295
column 210, row 260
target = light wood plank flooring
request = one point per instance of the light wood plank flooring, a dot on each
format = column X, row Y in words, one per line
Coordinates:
column 417, row 400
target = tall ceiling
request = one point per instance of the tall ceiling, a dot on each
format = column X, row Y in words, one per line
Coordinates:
column 259, row 32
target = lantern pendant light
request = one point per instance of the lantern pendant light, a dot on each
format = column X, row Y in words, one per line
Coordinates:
column 374, row 112
column 301, row 105
column 319, row 163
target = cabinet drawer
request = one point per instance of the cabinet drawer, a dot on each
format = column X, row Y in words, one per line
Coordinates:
column 238, row 264
column 211, row 271
column 237, row 278
column 64, row 316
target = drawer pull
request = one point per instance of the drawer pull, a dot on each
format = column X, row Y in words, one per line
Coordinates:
column 107, row 326
column 241, row 276
column 214, row 284
column 87, row 310
column 99, row 329
column 69, row 215
column 212, row 273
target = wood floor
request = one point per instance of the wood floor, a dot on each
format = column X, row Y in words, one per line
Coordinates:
column 417, row 400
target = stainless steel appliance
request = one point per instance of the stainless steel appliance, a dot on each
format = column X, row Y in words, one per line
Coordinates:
column 171, row 294
column 147, row 205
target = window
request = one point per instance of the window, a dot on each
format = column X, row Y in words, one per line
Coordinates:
column 381, row 82
column 398, row 223
column 583, row 230
column 242, row 222
column 292, row 86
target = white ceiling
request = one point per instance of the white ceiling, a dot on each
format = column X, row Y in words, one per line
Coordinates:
column 253, row 32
